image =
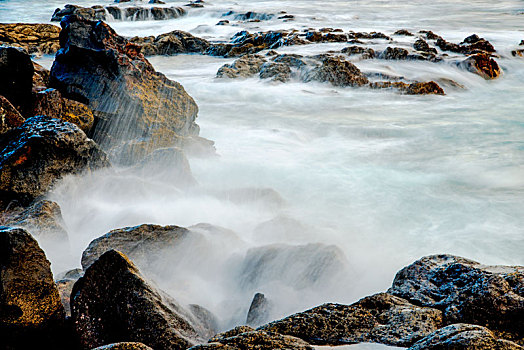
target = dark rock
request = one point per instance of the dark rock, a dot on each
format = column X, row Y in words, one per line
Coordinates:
column 430, row 35
column 124, row 346
column 483, row 65
column 259, row 311
column 471, row 39
column 464, row 337
column 40, row 78
column 163, row 13
column 243, row 67
column 421, row 45
column 394, row 53
column 39, row 152
column 287, row 17
column 466, row 291
column 365, row 53
column 290, row 60
column 112, row 302
column 65, row 287
column 381, row 318
column 34, row 38
column 519, row 53
column 50, row 103
column 132, row 13
column 16, row 70
column 129, row 98
column 254, row 340
column 276, row 71
column 95, row 13
column 9, row 116
column 418, row 88
column 249, row 16
column 31, row 313
column 471, row 45
column 172, row 43
column 338, row 72
column 371, row 35
column 222, row 22
column 403, row 32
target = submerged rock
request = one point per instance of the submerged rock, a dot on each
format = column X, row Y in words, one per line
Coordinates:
column 34, row 38
column 483, row 65
column 338, row 72
column 30, row 309
column 129, row 98
column 381, row 318
column 466, row 291
column 464, row 337
column 40, row 151
column 112, row 302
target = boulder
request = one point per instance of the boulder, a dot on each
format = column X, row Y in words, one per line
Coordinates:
column 244, row 67
column 471, row 45
column 9, row 116
column 380, row 318
column 417, row 88
column 124, row 346
column 366, row 53
column 422, row 45
column 50, row 103
column 34, row 38
column 112, row 302
column 394, row 53
column 95, row 13
column 30, row 309
column 466, row 291
column 40, row 151
column 403, row 32
column 241, row 338
column 275, row 71
column 483, row 65
column 130, row 99
column 259, row 311
column 16, row 70
column 172, row 43
column 338, row 72
column 464, row 337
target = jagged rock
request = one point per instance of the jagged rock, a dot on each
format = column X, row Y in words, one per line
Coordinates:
column 65, row 282
column 249, row 16
column 34, row 38
column 372, row 35
column 421, row 45
column 338, row 72
column 40, row 151
column 124, row 346
column 95, row 13
column 365, row 53
column 394, row 53
column 243, row 67
column 259, row 311
column 172, row 43
column 276, row 71
column 129, row 98
column 417, row 88
column 50, row 102
column 483, row 65
column 403, row 32
column 471, row 45
column 241, row 338
column 430, row 35
column 466, row 291
column 9, row 116
column 16, row 70
column 30, row 309
column 136, row 13
column 112, row 302
column 40, row 78
column 464, row 337
column 381, row 318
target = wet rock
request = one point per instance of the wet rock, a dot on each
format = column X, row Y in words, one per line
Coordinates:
column 430, row 35
column 464, row 337
column 40, row 78
column 50, row 102
column 16, row 70
column 421, row 45
column 483, row 65
column 34, row 38
column 371, row 35
column 248, row 16
column 243, row 67
column 422, row 88
column 276, row 71
column 30, row 309
column 403, row 32
column 40, row 151
column 65, row 287
column 9, row 116
column 112, row 302
column 381, row 318
column 206, row 317
column 95, row 13
column 124, row 346
column 130, row 13
column 287, row 17
column 129, row 98
column 259, row 311
column 254, row 340
column 222, row 22
column 366, row 53
column 394, row 53
column 338, row 72
column 172, row 43
column 291, row 60
column 466, row 291
column 471, row 45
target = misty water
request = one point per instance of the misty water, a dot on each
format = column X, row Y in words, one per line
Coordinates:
column 322, row 193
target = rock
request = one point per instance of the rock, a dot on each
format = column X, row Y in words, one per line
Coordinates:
column 50, row 103
column 421, row 45
column 403, row 32
column 259, row 311
column 464, row 337
column 372, row 35
column 31, row 311
column 222, row 22
column 249, row 16
column 124, row 346
column 254, row 340
column 394, row 53
column 65, row 287
column 483, row 65
column 172, row 43
column 471, row 45
column 39, row 152
column 142, row 243
column 417, row 88
column 381, row 318
column 205, row 316
column 338, row 72
column 466, row 291
column 34, row 38
column 95, row 13
column 129, row 98
column 16, row 70
column 366, row 53
column 9, row 116
column 276, row 71
column 291, row 60
column 112, row 302
column 40, row 78
column 243, row 67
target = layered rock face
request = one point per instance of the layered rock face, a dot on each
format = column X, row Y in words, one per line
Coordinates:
column 130, row 99
column 34, row 38
column 112, row 302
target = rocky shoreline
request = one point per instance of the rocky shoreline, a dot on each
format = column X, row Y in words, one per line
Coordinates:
column 102, row 102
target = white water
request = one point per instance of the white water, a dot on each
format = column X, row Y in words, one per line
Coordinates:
column 384, row 178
